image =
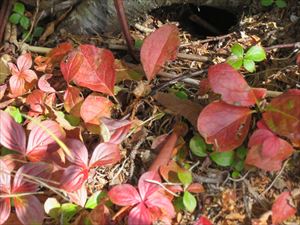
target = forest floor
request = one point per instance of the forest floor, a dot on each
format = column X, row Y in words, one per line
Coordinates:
column 229, row 197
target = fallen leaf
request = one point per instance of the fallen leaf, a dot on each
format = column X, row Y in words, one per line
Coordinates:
column 282, row 209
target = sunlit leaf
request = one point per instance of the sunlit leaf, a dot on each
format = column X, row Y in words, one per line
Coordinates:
column 189, row 201
column 256, row 53
column 223, row 158
column 282, row 209
column 198, row 146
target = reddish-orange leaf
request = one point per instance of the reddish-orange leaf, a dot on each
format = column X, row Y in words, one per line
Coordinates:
column 97, row 71
column 282, row 116
column 159, row 47
column 267, row 151
column 282, row 209
column 72, row 97
column 59, row 52
column 223, row 125
column 231, row 85
column 70, row 66
column 195, row 188
column 36, row 101
column 94, row 107
column 44, row 85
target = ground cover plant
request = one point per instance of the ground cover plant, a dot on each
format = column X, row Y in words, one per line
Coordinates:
column 71, row 129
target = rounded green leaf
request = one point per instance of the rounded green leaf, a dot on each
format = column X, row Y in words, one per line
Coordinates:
column 241, row 152
column 185, row 177
column 178, row 204
column 25, row 22
column 182, row 94
column 223, row 158
column 52, row 208
column 15, row 18
column 249, row 65
column 237, row 50
column 94, row 200
column 256, row 53
column 15, row 113
column 198, row 146
column 235, row 61
column 19, row 8
column 68, row 211
column 189, row 201
column 235, row 174
column 239, row 165
column 266, row 2
column 281, row 3
column 38, row 31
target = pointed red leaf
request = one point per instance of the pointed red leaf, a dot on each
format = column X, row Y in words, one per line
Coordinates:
column 267, row 151
column 73, row 178
column 97, row 71
column 4, row 209
column 260, row 93
column 223, row 125
column 58, row 53
column 12, row 134
column 71, row 65
column 282, row 116
column 105, row 154
column 40, row 141
column 36, row 101
column 17, row 86
column 124, row 195
column 203, row 221
column 29, row 210
column 139, row 215
column 195, row 188
column 282, row 209
column 159, row 47
column 225, row 80
column 37, row 170
column 94, row 107
column 79, row 153
column 147, row 188
column 72, row 97
column 4, row 178
column 79, row 196
column 44, row 85
column 160, row 201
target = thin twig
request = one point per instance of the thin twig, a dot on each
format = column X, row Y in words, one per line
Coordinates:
column 162, row 186
column 289, row 45
column 275, row 179
column 21, row 194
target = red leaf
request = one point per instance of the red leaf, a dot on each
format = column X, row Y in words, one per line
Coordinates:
column 2, row 90
column 267, row 151
column 29, row 210
column 196, row 188
column 281, row 209
column 79, row 196
column 223, row 125
column 36, row 101
column 72, row 98
column 78, row 151
column 260, row 93
column 100, row 215
column 204, row 86
column 4, row 179
column 139, row 215
column 44, row 85
column 159, row 47
column 282, row 116
column 94, row 107
column 203, row 221
column 147, row 188
column 38, row 170
column 71, row 65
column 124, row 195
column 73, row 178
column 97, row 70
column 4, row 209
column 59, row 52
column 228, row 82
column 105, row 154
column 40, row 141
column 12, row 134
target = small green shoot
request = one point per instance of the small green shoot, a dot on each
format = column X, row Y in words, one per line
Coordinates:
column 279, row 3
column 18, row 16
column 189, row 201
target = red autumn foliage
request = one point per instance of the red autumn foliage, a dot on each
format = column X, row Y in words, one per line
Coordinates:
column 159, row 47
column 203, row 221
column 22, row 75
column 44, row 85
column 38, row 100
column 223, row 125
column 72, row 98
column 282, row 209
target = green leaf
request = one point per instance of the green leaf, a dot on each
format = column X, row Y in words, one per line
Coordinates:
column 29, row 38
column 5, row 151
column 15, row 113
column 15, row 18
column 138, row 44
column 73, row 120
column 68, row 210
column 38, row 31
column 281, row 4
column 266, row 2
column 94, row 200
column 178, row 204
column 239, row 165
column 52, row 208
column 241, row 152
column 25, row 22
column 235, row 174
column 223, row 158
column 19, row 8
column 237, row 50
column 235, row 62
column 198, row 146
column 249, row 65
column 256, row 53
column 185, row 177
column 181, row 94
column 189, row 201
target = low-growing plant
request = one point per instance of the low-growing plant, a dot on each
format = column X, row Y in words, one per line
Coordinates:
column 278, row 3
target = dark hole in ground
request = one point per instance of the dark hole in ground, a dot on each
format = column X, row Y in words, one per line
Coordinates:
column 199, row 21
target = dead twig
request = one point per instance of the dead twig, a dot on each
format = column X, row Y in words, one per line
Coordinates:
column 162, row 186
column 289, row 45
